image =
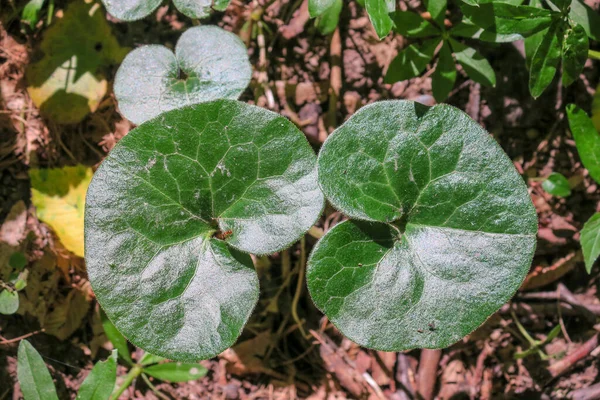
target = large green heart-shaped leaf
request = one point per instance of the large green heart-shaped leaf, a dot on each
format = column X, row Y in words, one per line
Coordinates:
column 154, row 209
column 131, row 10
column 209, row 63
column 448, row 229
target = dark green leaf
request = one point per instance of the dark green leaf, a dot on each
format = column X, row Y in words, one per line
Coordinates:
column 545, row 60
column 115, row 337
column 468, row 30
column 590, row 241
column 176, row 372
column 328, row 20
column 589, row 19
column 574, row 53
column 474, row 64
column 454, row 234
column 160, row 269
column 148, row 359
column 474, row 3
column 318, row 7
column 411, row 24
column 9, row 301
column 587, row 140
column 532, row 42
column 34, row 378
column 437, row 10
column 379, row 11
column 507, row 19
column 444, row 76
column 411, row 61
column 130, row 10
column 557, row 185
column 214, row 62
column 100, row 382
column 31, row 12
column 17, row 260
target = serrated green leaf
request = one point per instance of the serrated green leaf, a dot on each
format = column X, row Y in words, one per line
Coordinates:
column 587, row 140
column 148, row 359
column 155, row 204
column 545, row 60
column 214, row 62
column 444, row 76
column 31, row 12
column 318, row 7
column 437, row 10
column 474, row 64
column 118, row 341
column 585, row 16
column 508, row 19
column 557, row 185
column 411, row 24
column 574, row 53
column 379, row 14
column 9, row 301
column 327, row 21
column 176, row 372
column 467, row 29
column 453, row 235
column 34, row 378
column 590, row 241
column 411, row 61
column 100, row 382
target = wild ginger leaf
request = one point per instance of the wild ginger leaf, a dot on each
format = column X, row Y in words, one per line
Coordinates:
column 448, row 230
column 169, row 210
column 590, row 241
column 34, row 378
column 574, row 53
column 209, row 63
column 130, row 10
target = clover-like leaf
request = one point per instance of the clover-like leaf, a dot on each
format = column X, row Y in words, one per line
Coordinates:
column 209, row 64
column 448, row 229
column 169, row 210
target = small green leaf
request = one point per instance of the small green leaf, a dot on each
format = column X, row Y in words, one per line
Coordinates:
column 165, row 276
column 31, row 12
column 574, row 53
column 100, row 382
column 148, row 359
column 545, row 60
column 318, row 7
column 474, row 64
column 444, row 76
column 587, row 140
column 9, row 301
column 557, row 185
column 411, row 24
column 411, row 61
column 452, row 235
column 379, row 14
column 118, row 341
column 34, row 378
column 328, row 20
column 590, row 241
column 194, row 8
column 437, row 10
column 467, row 29
column 17, row 260
column 221, row 5
column 508, row 19
column 585, row 16
column 214, row 63
column 176, row 372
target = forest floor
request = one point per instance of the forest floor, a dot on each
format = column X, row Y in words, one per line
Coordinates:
column 318, row 82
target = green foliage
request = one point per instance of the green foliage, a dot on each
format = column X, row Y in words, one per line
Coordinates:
column 590, row 241
column 100, row 382
column 209, row 63
column 443, row 229
column 412, row 61
column 557, row 185
column 115, row 337
column 9, row 296
column 9, row 301
column 328, row 19
column 172, row 211
column 31, row 12
column 131, row 10
column 176, row 371
column 34, row 378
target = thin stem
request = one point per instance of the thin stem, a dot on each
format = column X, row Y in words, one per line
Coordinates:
column 594, row 54
column 301, row 270
column 130, row 377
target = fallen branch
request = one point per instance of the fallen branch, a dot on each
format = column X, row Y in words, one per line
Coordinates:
column 561, row 366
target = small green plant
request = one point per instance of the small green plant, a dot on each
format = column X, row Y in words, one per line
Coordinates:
column 442, row 229
column 131, row 10
column 209, row 63
column 327, row 13
column 173, row 211
column 17, row 281
column 587, row 140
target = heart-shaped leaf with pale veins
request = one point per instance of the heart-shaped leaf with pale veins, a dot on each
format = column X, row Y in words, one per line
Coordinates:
column 209, row 64
column 131, row 10
column 173, row 209
column 445, row 234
